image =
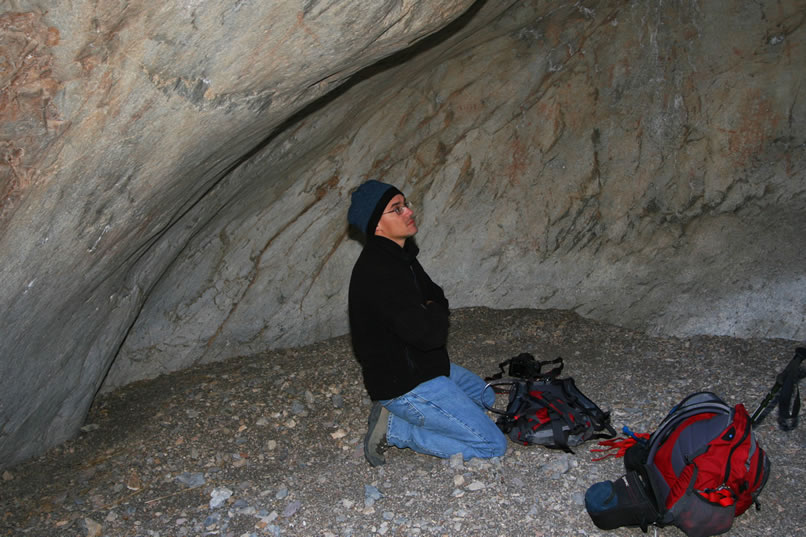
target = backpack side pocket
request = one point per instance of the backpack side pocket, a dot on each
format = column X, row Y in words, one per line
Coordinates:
column 697, row 515
column 623, row 502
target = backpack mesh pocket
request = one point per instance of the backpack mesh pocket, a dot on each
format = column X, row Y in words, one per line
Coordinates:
column 697, row 516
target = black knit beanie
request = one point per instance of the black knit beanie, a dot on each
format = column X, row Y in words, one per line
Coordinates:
column 367, row 204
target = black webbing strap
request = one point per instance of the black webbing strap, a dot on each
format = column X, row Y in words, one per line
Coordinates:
column 536, row 365
column 561, row 412
column 786, row 393
column 560, row 438
column 585, row 407
column 789, row 400
column 555, row 371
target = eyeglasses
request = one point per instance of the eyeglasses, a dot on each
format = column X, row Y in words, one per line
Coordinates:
column 398, row 210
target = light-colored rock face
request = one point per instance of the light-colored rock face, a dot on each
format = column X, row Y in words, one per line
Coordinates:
column 175, row 178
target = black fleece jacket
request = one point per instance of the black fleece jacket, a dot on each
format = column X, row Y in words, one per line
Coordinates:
column 398, row 319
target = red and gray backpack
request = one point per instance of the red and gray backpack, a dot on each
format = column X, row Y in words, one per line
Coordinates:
column 550, row 412
column 701, row 468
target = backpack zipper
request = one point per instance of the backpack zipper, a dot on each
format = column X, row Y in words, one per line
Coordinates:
column 733, row 450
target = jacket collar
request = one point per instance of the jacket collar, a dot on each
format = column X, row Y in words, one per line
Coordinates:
column 408, row 253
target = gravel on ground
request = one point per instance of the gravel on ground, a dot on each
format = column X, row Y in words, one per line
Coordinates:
column 271, row 444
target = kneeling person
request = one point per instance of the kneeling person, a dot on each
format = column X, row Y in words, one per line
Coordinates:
column 399, row 328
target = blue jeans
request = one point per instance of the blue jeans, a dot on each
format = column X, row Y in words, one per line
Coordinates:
column 444, row 416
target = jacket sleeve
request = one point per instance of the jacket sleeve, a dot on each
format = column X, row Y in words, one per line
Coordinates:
column 431, row 291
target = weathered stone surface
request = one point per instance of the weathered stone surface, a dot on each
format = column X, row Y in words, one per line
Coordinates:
column 122, row 123
column 555, row 167
column 183, row 194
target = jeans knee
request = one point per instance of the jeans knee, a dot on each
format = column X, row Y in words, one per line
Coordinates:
column 498, row 446
column 495, row 446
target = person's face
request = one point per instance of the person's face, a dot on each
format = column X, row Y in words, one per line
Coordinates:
column 397, row 221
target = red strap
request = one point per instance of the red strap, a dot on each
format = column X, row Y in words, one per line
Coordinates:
column 722, row 496
column 621, row 445
column 542, row 416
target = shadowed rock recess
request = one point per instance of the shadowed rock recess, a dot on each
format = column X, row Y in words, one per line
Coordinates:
column 174, row 179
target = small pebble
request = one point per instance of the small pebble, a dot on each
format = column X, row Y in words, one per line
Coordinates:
column 291, row 508
column 191, row 479
column 371, row 495
column 219, row 496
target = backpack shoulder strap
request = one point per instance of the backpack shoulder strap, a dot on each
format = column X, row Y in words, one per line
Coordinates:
column 551, row 395
column 578, row 400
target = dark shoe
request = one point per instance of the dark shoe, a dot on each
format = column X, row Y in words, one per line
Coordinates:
column 375, row 440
